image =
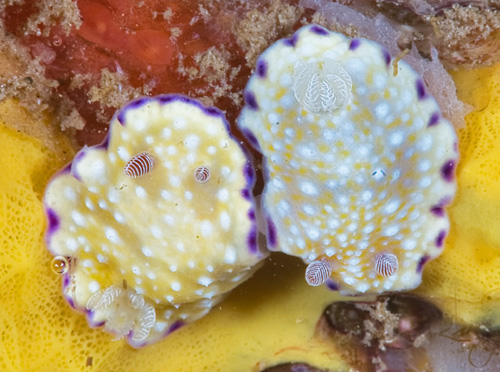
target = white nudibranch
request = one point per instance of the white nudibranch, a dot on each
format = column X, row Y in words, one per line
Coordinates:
column 359, row 160
column 143, row 246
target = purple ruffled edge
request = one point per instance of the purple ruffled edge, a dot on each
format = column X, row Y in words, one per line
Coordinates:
column 136, row 344
column 172, row 328
column 53, row 220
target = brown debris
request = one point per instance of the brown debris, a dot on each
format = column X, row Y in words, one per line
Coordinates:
column 258, row 29
column 214, row 67
column 471, row 35
column 63, row 13
column 398, row 58
column 113, row 89
column 74, row 120
column 22, row 77
column 395, row 321
column 387, row 334
column 381, row 325
column 458, row 23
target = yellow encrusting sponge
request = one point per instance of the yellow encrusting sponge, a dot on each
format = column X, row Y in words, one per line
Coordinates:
column 465, row 280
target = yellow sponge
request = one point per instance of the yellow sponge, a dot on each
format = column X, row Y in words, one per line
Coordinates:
column 465, row 280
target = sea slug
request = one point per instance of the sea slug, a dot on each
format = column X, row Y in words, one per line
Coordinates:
column 158, row 222
column 359, row 162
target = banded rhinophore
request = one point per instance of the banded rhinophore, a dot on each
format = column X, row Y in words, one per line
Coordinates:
column 145, row 239
column 202, row 174
column 140, row 165
column 359, row 162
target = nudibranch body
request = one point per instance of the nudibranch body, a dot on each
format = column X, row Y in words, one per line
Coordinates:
column 149, row 246
column 359, row 161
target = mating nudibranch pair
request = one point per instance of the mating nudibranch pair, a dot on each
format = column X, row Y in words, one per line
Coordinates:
column 158, row 222
column 359, row 161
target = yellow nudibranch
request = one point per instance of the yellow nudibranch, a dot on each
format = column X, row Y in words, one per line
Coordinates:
column 359, row 160
column 157, row 223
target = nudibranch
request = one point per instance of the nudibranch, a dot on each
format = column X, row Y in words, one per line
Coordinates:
column 359, row 162
column 157, row 224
